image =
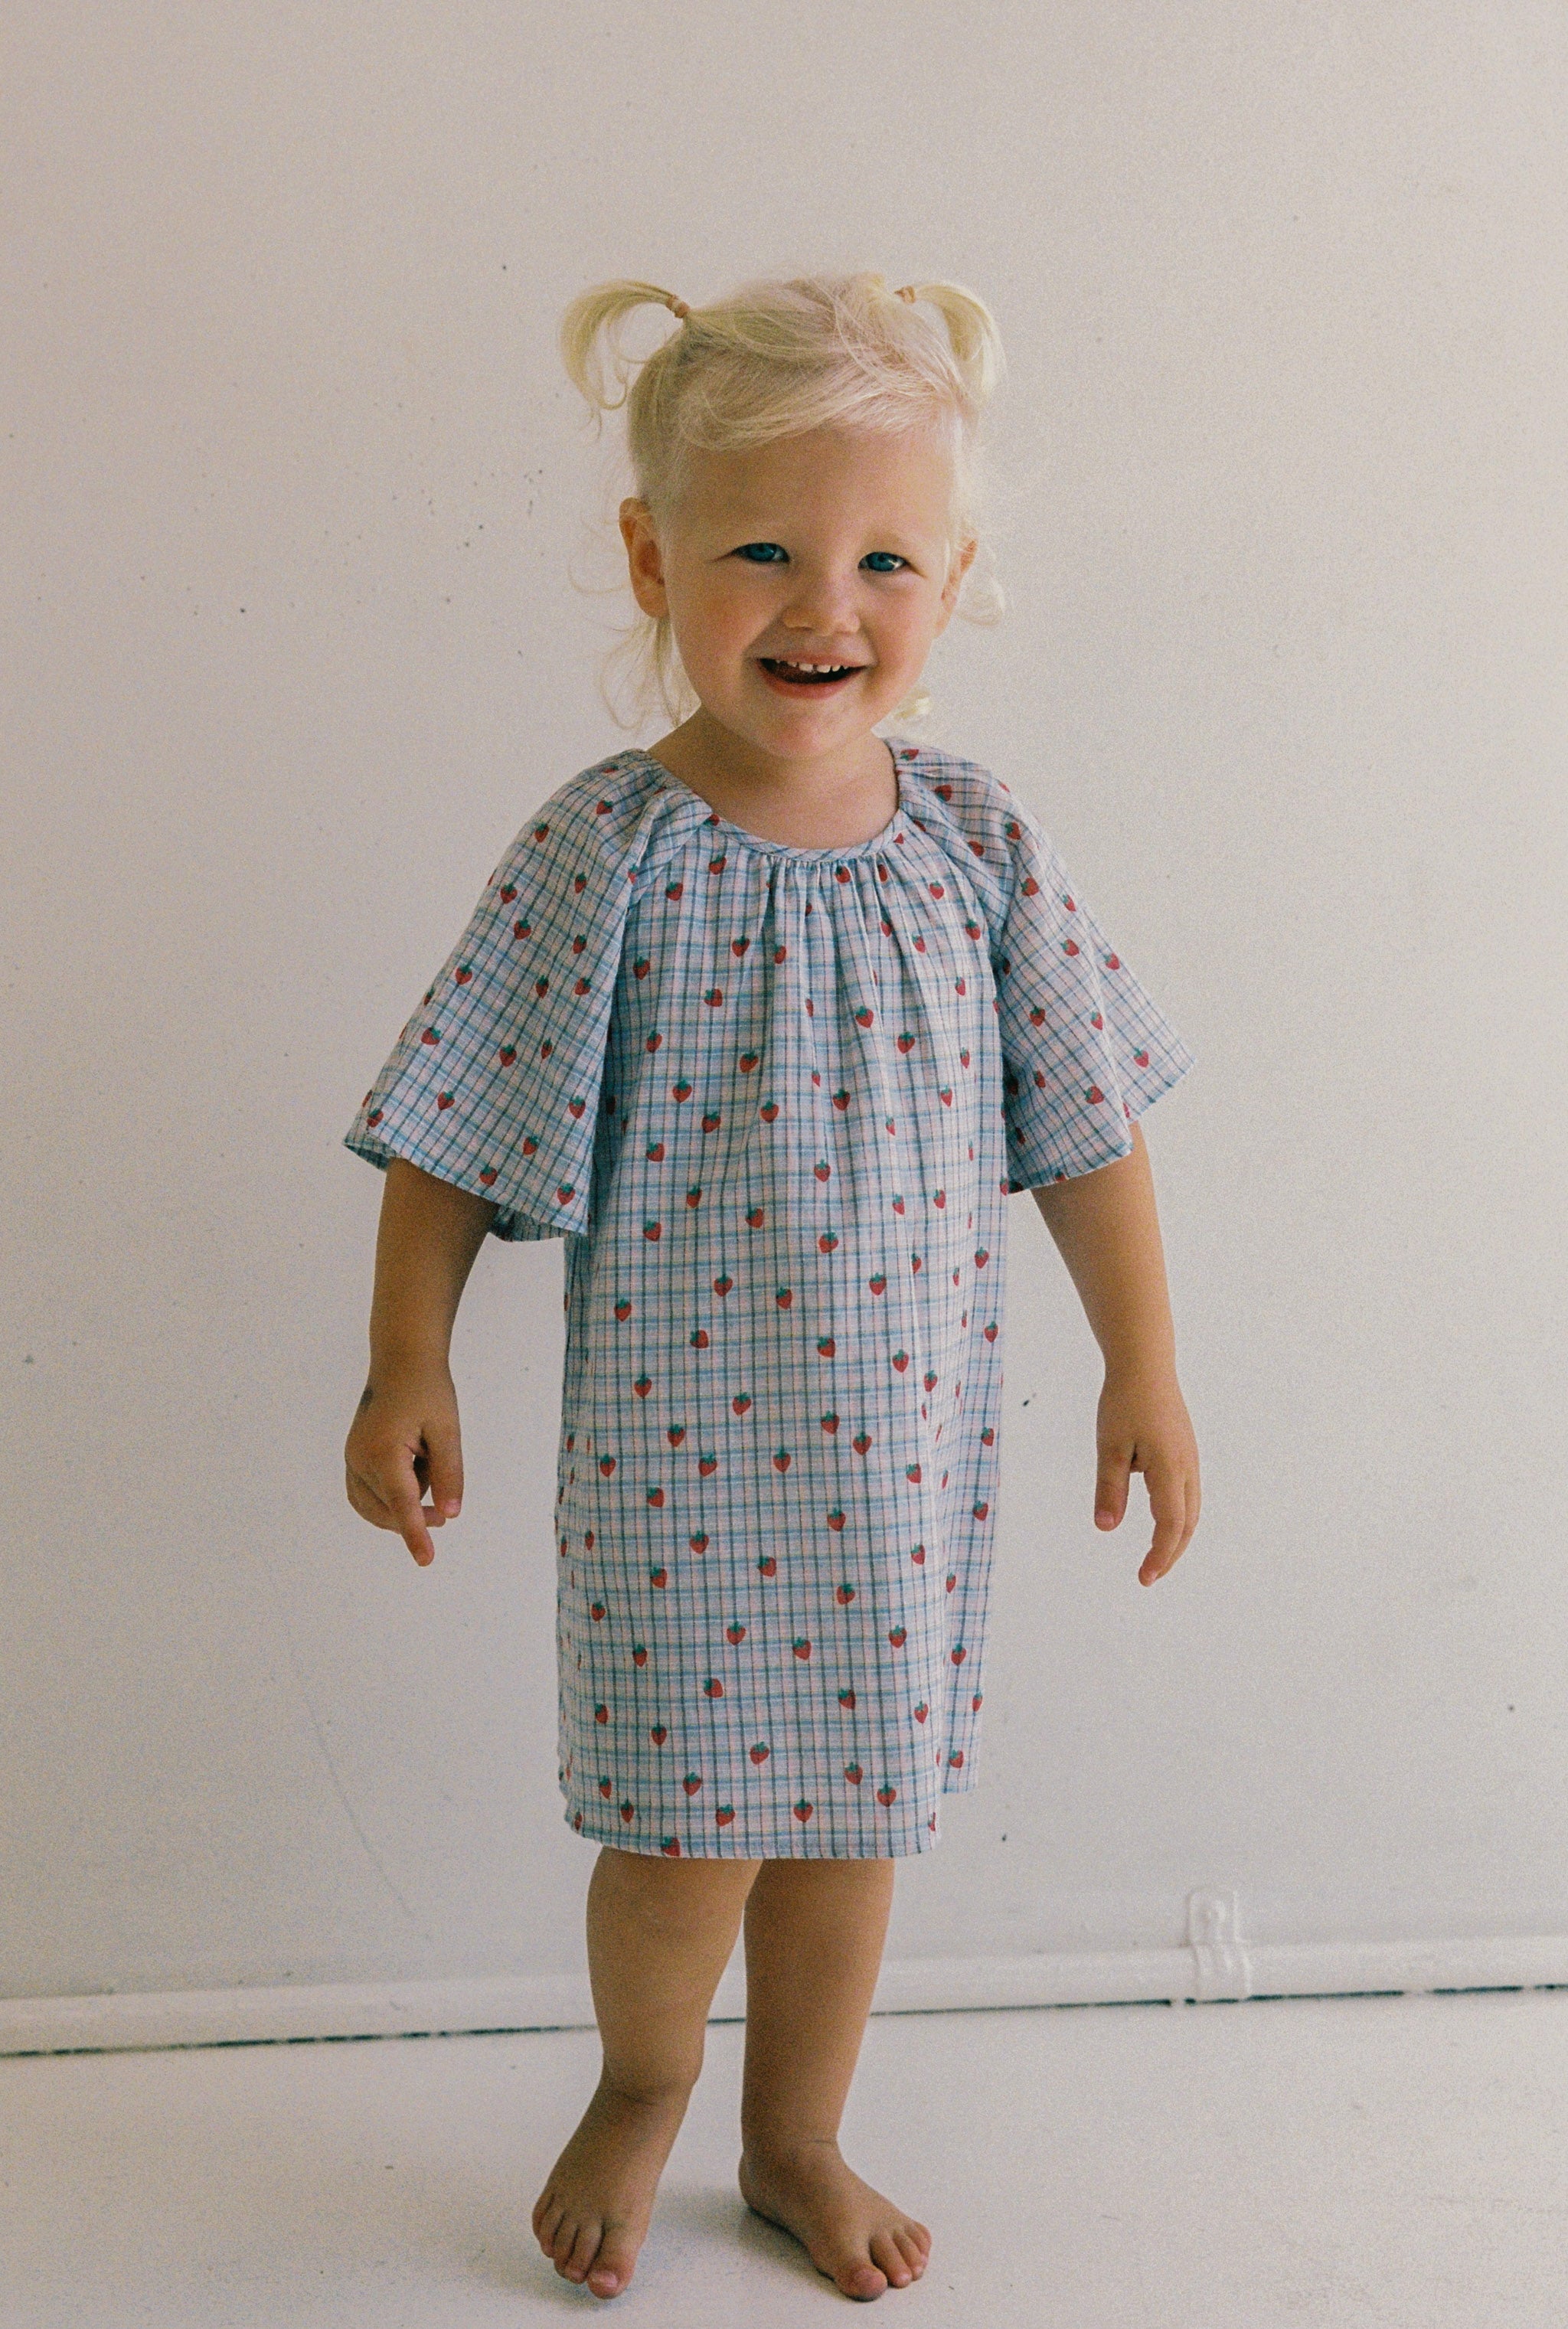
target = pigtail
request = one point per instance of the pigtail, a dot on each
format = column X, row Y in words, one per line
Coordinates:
column 972, row 334
column 590, row 335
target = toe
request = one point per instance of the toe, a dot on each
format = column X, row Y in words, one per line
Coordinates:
column 576, row 2247
column 890, row 2259
column 862, row 2279
column 914, row 2255
column 612, row 2268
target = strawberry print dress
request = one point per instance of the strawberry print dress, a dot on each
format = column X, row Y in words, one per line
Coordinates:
column 775, row 1100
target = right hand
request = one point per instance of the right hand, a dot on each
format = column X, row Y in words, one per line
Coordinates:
column 404, row 1440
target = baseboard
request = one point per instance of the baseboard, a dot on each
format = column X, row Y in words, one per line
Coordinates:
column 1197, row 1973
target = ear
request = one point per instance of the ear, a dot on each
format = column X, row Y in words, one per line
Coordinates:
column 644, row 565
column 956, row 568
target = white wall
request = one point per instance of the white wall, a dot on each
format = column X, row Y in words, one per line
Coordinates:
column 294, row 484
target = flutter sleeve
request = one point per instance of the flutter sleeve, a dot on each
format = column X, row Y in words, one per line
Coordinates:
column 495, row 1083
column 1084, row 1047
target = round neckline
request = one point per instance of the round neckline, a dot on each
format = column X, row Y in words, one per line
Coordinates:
column 723, row 825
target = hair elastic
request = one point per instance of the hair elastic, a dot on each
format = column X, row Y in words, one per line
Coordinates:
column 907, row 291
column 678, row 308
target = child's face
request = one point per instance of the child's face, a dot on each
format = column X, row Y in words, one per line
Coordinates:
column 830, row 548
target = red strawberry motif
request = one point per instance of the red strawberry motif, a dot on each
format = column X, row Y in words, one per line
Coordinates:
column 843, row 1595
column 826, row 1346
column 713, row 1687
column 653, row 1232
column 738, row 946
column 430, row 1036
column 901, row 1360
column 601, row 1713
column 508, row 893
column 841, row 1101
column 740, row 1402
column 643, row 1385
column 628, row 1812
column 921, row 1711
column 836, row 1518
column 898, row 1205
column 918, row 1555
column 658, row 1734
column 759, row 1753
column 749, row 1061
column 830, row 1421
column 694, row 1195
column 878, row 1283
column 507, row 1054
column 680, row 1089
column 862, row 1017
column 827, row 1242
column 955, row 1760
column 958, row 1654
column 754, row 1218
column 674, row 1433
column 443, row 1099
column 734, row 1633
column 904, row 1043
column 707, row 1464
column 487, row 1175
column 768, row 1565
column 899, row 1637
column 784, row 1297
column 671, row 1847
column 675, row 889
column 639, row 968
column 639, row 1654
column 723, row 1816
column 711, row 1122
column 781, row 1459
column 654, row 1041
column 846, row 1699
column 659, row 1577
column 698, row 1541
column 912, row 1472
column 945, row 1095
column 860, row 1442
column 596, row 1611
column 768, row 1111
column 990, row 1331
column 822, row 1169
column 854, row 1773
column 884, row 1795
column 714, row 995
column 1140, row 1059
column 803, row 1811
column 607, row 1464
column 722, row 1285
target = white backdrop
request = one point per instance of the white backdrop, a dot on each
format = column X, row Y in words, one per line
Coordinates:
column 295, row 493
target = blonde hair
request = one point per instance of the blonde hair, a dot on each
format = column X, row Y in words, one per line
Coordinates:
column 772, row 360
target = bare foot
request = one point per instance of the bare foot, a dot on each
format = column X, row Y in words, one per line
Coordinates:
column 592, row 2215
column 859, row 2240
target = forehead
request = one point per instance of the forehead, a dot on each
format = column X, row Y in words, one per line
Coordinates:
column 908, row 473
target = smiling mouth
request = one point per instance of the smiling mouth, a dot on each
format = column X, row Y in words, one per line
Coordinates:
column 808, row 675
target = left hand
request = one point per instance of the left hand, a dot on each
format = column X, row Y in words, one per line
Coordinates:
column 1143, row 1426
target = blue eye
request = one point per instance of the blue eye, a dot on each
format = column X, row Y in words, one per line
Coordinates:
column 760, row 554
column 893, row 565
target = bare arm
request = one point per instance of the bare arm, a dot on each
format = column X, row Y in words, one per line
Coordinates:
column 405, row 1437
column 1106, row 1228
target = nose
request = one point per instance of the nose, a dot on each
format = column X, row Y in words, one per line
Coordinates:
column 823, row 603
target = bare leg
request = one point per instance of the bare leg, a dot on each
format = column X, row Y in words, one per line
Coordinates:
column 814, row 1936
column 659, row 1936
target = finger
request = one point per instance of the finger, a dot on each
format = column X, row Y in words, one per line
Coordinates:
column 444, row 1448
column 1110, row 1491
column 1167, row 1500
column 400, row 1492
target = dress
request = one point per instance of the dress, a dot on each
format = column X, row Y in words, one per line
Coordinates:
column 775, row 1100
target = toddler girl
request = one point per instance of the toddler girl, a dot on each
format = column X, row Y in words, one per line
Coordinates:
column 768, row 1020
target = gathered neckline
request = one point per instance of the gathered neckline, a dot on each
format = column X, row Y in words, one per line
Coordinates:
column 711, row 815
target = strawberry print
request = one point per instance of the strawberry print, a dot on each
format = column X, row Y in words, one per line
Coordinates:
column 773, row 1100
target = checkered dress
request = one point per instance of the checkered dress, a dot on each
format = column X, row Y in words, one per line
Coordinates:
column 775, row 1099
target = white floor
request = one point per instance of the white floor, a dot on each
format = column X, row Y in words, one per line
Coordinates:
column 1398, row 2161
